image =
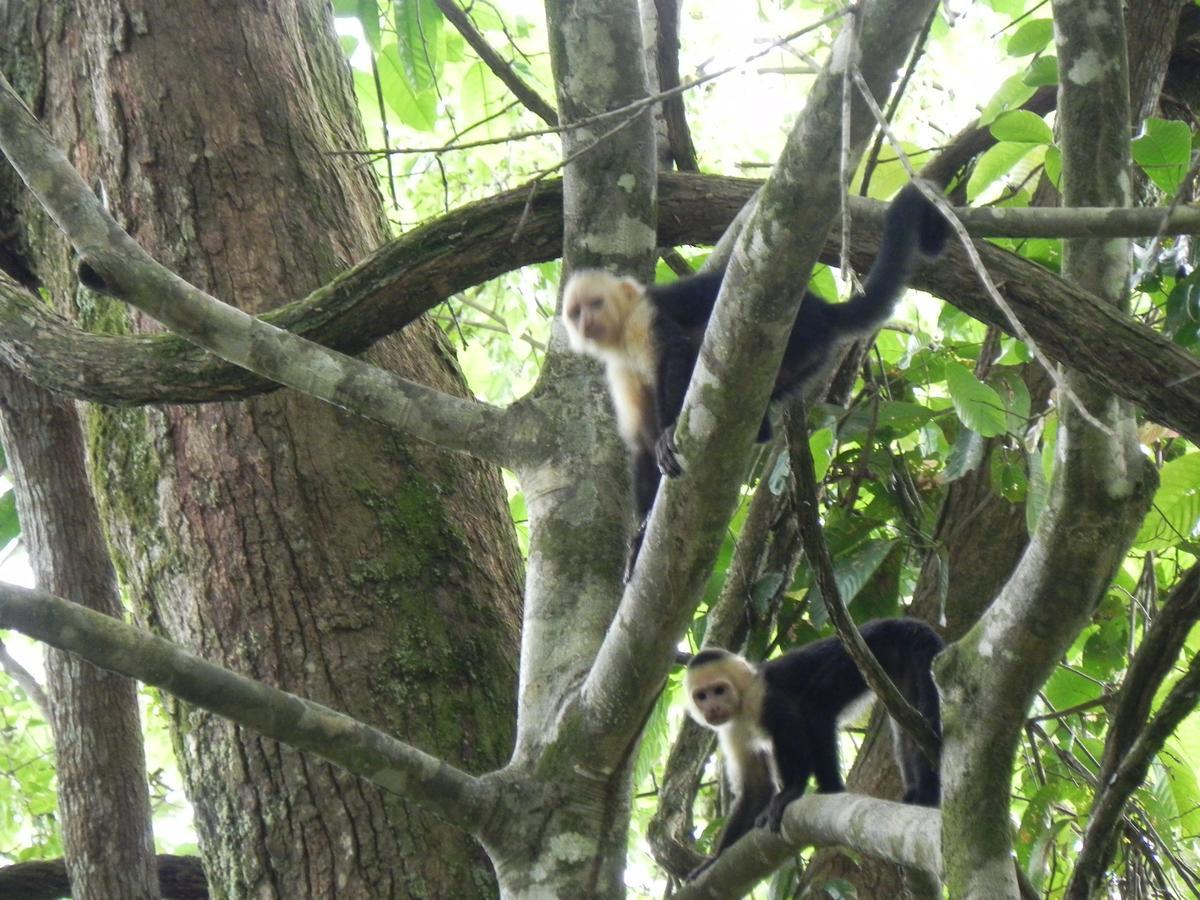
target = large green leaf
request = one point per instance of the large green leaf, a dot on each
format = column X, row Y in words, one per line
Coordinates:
column 1032, row 37
column 1164, row 151
column 1022, row 126
column 416, row 108
column 418, row 29
column 979, row 407
column 1175, row 515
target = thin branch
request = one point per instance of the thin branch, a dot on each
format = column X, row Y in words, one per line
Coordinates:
column 500, row 68
column 679, row 135
column 24, row 678
column 124, row 267
column 461, row 799
column 817, row 552
column 1130, row 747
column 628, row 111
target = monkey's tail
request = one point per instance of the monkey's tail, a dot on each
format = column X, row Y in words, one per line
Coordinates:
column 912, row 228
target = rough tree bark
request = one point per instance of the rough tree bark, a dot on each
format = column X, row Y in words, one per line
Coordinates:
column 287, row 540
column 103, row 796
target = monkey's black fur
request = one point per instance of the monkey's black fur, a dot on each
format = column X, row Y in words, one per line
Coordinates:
column 913, row 227
column 805, row 692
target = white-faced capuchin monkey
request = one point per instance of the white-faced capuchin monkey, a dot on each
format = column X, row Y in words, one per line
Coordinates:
column 777, row 721
column 649, row 336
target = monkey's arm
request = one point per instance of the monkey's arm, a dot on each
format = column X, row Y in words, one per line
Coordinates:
column 676, row 361
column 754, row 795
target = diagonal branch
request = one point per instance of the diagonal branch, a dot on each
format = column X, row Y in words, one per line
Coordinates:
column 459, row 798
column 122, row 265
column 872, row 672
column 531, row 99
column 1130, row 746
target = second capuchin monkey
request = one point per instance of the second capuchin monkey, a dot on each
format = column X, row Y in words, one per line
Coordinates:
column 777, row 721
column 648, row 337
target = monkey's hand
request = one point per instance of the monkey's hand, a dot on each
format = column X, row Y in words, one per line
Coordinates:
column 700, row 869
column 772, row 817
column 666, row 452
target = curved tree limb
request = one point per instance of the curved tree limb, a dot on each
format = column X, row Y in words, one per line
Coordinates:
column 122, row 265
column 461, row 799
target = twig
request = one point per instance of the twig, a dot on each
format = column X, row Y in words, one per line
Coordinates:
column 25, row 679
column 630, row 109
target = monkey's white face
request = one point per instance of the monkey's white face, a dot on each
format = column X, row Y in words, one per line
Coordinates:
column 596, row 306
column 717, row 700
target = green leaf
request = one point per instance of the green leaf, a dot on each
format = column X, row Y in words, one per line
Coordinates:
column 854, row 571
column 1175, row 514
column 965, row 456
column 997, row 162
column 820, row 443
column 979, row 407
column 898, row 417
column 1037, row 493
column 418, row 29
column 1032, row 37
column 1054, row 166
column 1067, row 688
column 1011, row 94
column 1015, row 395
column 1164, row 151
column 416, row 109
column 1042, row 71
column 10, row 524
column 1022, row 126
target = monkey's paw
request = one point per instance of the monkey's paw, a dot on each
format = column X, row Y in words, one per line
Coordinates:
column 666, row 453
column 699, row 870
column 772, row 817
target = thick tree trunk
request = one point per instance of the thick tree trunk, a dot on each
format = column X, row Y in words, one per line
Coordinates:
column 103, row 797
column 280, row 537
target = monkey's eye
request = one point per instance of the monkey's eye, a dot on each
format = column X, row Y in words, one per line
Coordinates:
column 719, row 690
column 573, row 312
column 596, row 302
column 699, row 696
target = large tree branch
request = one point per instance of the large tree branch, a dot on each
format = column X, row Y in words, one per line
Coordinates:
column 1101, row 490
column 418, row 270
column 907, row 835
column 179, row 878
column 236, row 336
column 459, row 798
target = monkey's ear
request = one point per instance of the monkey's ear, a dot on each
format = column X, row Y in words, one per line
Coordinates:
column 630, row 290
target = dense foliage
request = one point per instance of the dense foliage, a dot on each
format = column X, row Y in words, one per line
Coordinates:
column 941, row 397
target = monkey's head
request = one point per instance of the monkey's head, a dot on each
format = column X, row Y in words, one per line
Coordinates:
column 716, row 682
column 596, row 306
